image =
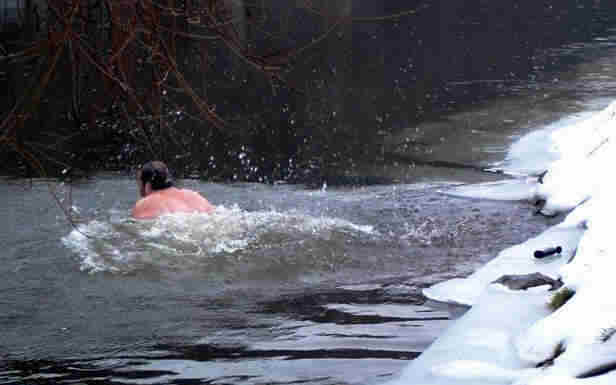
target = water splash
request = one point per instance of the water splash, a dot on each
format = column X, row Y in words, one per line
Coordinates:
column 229, row 238
column 436, row 232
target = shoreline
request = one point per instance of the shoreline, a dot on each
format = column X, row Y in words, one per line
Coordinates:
column 513, row 336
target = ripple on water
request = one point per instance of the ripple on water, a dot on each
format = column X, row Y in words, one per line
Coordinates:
column 228, row 239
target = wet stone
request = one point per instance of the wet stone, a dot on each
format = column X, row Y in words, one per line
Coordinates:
column 526, row 281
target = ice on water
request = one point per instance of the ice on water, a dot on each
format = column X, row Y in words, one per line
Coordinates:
column 513, row 337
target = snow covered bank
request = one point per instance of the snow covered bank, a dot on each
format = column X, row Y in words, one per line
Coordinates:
column 513, row 336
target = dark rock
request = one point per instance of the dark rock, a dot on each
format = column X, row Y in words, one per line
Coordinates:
column 547, row 252
column 523, row 282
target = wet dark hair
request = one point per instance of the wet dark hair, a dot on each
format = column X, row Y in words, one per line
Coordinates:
column 157, row 174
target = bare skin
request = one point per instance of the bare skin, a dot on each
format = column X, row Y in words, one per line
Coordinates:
column 169, row 200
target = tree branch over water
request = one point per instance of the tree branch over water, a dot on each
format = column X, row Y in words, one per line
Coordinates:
column 109, row 83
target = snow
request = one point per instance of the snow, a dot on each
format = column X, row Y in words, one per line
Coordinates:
column 514, row 337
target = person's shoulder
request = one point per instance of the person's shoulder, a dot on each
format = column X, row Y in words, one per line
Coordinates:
column 198, row 201
column 145, row 208
column 190, row 192
column 141, row 203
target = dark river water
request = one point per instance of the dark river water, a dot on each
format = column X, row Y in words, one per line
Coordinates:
column 282, row 284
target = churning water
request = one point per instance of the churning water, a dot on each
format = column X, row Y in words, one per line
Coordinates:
column 213, row 243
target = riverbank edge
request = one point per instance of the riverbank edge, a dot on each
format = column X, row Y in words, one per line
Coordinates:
column 540, row 336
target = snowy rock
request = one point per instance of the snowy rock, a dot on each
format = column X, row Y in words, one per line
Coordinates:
column 526, row 281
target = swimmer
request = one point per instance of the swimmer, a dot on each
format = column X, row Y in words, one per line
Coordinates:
column 158, row 196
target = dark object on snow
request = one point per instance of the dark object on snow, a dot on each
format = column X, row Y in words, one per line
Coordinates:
column 540, row 177
column 560, row 349
column 598, row 371
column 560, row 298
column 547, row 252
column 523, row 282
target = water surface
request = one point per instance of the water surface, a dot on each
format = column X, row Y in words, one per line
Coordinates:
column 282, row 284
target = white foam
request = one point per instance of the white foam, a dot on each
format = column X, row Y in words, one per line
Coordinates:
column 121, row 244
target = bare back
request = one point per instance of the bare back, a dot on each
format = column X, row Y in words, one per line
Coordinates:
column 171, row 200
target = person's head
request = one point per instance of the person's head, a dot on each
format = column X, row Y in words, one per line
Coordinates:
column 153, row 176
